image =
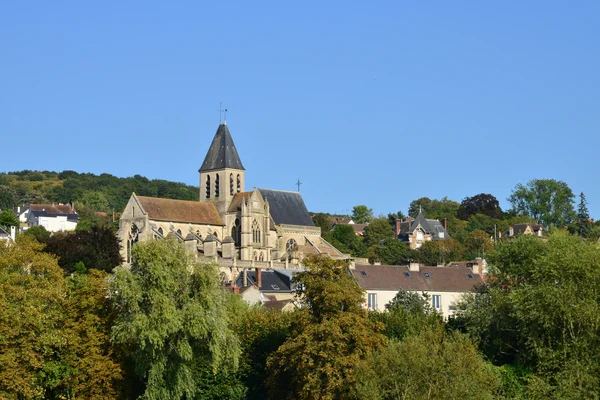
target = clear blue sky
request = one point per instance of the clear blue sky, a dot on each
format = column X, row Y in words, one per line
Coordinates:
column 374, row 104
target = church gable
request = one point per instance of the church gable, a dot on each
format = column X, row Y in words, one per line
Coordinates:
column 287, row 207
column 182, row 211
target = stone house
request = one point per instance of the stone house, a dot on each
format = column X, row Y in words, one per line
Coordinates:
column 525, row 229
column 443, row 285
column 417, row 231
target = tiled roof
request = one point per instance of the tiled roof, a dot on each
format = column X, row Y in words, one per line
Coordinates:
column 192, row 212
column 53, row 208
column 520, row 228
column 390, row 277
column 272, row 281
column 45, row 213
column 236, row 202
column 222, row 152
column 287, row 207
column 430, row 226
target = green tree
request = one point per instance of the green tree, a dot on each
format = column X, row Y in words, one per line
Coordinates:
column 440, row 209
column 440, row 252
column 583, row 226
column 8, row 219
column 322, row 221
column 345, row 234
column 38, row 232
column 8, row 197
column 54, row 329
column 546, row 200
column 540, row 314
column 94, row 199
column 263, row 331
column 98, row 249
column 392, row 217
column 362, row 214
column 172, row 314
column 431, row 365
column 377, row 231
column 391, row 252
column 482, row 203
column 332, row 335
column 478, row 244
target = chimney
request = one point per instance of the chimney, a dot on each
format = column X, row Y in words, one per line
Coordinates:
column 259, row 277
column 477, row 266
column 444, row 222
column 13, row 233
column 245, row 275
column 397, row 226
column 413, row 266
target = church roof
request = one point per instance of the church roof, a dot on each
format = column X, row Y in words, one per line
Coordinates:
column 222, row 152
column 192, row 212
column 287, row 207
column 237, row 200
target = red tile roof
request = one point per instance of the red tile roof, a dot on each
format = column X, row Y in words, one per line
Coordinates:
column 193, row 212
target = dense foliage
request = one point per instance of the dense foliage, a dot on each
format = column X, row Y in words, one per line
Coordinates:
column 166, row 329
column 103, row 192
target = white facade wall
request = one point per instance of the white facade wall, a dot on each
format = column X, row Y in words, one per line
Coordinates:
column 447, row 299
column 53, row 224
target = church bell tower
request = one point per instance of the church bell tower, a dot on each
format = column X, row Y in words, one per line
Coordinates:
column 222, row 172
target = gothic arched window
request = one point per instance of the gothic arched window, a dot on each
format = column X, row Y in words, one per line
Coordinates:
column 255, row 232
column 290, row 247
column 217, row 185
column 238, row 232
column 179, row 232
column 131, row 240
column 239, row 183
column 215, row 234
column 208, row 186
column 231, row 184
column 160, row 230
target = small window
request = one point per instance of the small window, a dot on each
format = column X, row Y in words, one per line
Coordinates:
column 372, row 301
column 275, row 287
column 436, row 301
column 470, row 276
column 427, row 275
column 363, row 273
column 406, row 275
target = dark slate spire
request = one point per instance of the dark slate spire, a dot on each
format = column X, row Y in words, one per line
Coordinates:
column 222, row 152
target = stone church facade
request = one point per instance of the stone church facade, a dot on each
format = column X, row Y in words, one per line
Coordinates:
column 237, row 228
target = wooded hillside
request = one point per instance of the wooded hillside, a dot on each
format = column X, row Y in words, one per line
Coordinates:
column 103, row 192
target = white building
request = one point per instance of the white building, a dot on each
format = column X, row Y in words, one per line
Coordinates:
column 55, row 218
column 8, row 237
column 443, row 285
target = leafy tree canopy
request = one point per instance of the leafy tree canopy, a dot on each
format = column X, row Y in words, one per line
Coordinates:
column 333, row 334
column 362, row 214
column 482, row 203
column 97, row 248
column 546, row 200
column 439, row 209
column 8, row 219
column 172, row 313
column 378, row 230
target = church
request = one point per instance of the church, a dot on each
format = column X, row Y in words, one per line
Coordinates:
column 237, row 228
